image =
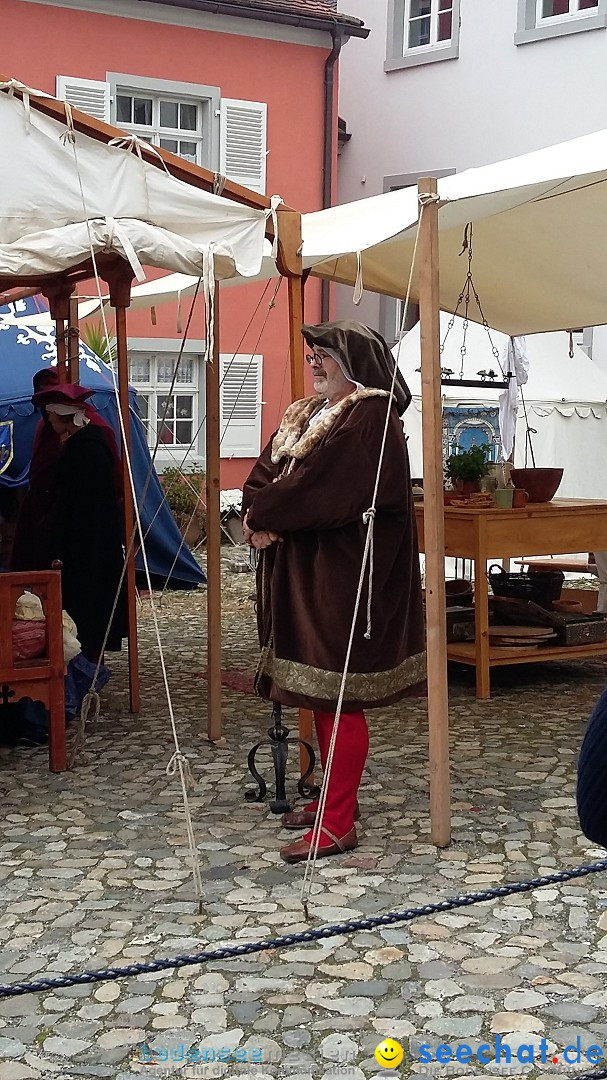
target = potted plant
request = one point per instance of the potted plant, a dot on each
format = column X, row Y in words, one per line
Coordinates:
column 466, row 468
column 183, row 492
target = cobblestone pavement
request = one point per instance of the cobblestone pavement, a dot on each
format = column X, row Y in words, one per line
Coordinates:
column 93, row 871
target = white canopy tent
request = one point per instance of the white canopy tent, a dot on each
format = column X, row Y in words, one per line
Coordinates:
column 64, row 192
column 566, row 400
column 80, row 198
column 540, row 240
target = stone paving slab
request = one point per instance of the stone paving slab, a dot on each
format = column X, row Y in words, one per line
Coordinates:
column 94, row 872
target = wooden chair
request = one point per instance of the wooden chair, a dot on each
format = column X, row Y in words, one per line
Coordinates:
column 41, row 678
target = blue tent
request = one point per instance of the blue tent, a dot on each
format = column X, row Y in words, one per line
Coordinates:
column 25, row 350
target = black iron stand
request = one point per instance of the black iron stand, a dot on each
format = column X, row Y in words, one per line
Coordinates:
column 279, row 743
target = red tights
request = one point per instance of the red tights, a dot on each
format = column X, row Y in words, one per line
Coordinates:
column 350, row 755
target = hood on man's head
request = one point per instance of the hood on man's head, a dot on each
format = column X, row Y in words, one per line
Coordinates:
column 365, row 357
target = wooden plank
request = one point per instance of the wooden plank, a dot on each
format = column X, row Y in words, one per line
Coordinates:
column 465, row 654
column 213, row 542
column 434, row 529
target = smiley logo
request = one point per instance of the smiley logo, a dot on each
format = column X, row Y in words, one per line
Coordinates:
column 389, row 1054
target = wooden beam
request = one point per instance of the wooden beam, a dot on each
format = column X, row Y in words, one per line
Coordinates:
column 213, row 529
column 12, row 295
column 434, row 523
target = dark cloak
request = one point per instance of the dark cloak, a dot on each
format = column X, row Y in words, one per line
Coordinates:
column 312, row 486
column 86, row 535
column 363, row 355
column 29, row 551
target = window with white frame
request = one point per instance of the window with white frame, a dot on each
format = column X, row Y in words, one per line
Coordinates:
column 175, row 124
column 428, row 23
column 541, row 19
column 421, row 31
column 227, row 135
column 549, row 10
column 169, row 412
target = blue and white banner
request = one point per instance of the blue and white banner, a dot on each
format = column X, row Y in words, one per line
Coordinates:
column 6, row 444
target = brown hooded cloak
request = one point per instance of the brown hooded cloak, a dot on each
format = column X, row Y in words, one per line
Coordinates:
column 312, row 485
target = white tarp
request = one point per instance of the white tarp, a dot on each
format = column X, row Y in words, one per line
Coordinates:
column 58, row 196
column 539, row 238
column 566, row 401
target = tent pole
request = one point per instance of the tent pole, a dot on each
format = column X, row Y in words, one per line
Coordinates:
column 129, row 513
column 213, row 529
column 59, row 299
column 434, row 520
column 295, row 288
column 73, row 342
column 60, row 328
column 119, row 280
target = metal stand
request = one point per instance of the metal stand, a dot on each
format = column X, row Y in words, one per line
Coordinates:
column 279, row 742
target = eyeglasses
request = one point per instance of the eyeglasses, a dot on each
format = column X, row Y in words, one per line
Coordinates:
column 316, row 358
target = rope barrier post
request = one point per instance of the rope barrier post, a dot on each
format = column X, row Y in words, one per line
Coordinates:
column 295, row 287
column 119, row 281
column 73, row 342
column 434, row 521
column 213, row 530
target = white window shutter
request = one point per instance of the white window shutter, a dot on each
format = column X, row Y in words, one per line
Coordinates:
column 242, row 142
column 240, row 417
column 89, row 95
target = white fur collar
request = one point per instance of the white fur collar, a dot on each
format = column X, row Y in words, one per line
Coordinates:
column 295, row 440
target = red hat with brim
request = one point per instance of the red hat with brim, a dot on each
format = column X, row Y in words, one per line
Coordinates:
column 68, row 394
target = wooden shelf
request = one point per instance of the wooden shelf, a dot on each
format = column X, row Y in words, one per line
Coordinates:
column 466, row 654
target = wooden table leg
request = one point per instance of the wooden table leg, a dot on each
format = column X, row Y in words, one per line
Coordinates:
column 481, row 620
column 57, row 751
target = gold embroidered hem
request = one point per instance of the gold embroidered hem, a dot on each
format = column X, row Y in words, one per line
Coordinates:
column 318, row 683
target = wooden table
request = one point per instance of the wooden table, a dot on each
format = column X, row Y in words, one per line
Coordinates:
column 555, row 528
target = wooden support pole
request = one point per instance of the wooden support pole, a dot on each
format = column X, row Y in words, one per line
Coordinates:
column 296, row 357
column 73, row 342
column 60, row 326
column 296, row 341
column 213, row 438
column 119, row 277
column 59, row 296
column 434, row 521
column 129, row 512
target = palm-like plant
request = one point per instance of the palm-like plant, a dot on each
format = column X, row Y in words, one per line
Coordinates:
column 93, row 335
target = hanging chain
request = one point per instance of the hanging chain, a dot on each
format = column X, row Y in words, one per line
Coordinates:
column 466, row 295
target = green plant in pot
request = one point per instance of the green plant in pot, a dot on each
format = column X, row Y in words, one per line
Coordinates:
column 466, row 468
column 184, row 492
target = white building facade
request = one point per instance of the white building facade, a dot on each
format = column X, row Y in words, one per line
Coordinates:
column 445, row 85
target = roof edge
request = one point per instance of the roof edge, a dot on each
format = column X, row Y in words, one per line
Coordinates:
column 352, row 28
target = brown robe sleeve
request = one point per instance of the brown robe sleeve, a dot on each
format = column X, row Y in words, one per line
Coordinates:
column 334, row 485
column 262, row 473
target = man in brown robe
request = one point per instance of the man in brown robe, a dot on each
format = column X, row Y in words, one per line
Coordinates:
column 304, row 507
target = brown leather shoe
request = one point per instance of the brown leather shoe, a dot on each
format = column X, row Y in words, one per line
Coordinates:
column 298, row 851
column 304, row 819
